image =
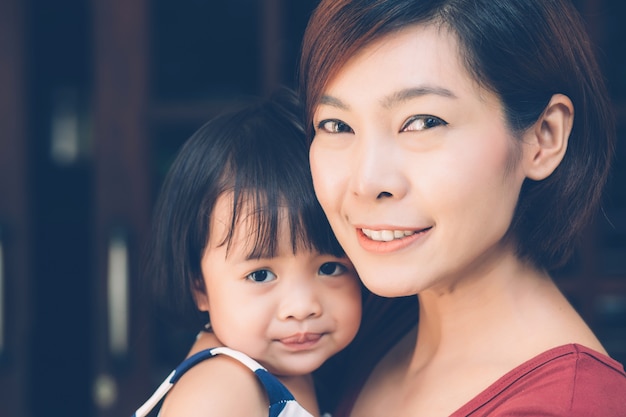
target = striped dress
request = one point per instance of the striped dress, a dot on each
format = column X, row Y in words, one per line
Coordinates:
column 282, row 402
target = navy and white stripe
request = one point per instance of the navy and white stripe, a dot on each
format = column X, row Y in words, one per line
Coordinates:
column 282, row 402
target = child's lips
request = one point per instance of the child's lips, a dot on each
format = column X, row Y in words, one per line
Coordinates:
column 299, row 339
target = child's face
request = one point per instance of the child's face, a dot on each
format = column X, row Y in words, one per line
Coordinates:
column 290, row 312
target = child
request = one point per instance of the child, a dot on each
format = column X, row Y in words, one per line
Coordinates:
column 239, row 234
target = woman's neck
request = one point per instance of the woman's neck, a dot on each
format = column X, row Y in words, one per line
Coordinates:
column 496, row 304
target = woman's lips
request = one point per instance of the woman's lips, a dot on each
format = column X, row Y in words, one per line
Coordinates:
column 385, row 241
column 387, row 235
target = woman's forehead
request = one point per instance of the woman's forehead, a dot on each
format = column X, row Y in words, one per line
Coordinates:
column 422, row 58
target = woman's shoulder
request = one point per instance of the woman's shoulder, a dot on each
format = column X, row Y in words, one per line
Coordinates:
column 598, row 384
column 571, row 367
column 568, row 380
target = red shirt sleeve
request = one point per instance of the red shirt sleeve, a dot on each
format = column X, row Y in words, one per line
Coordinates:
column 570, row 380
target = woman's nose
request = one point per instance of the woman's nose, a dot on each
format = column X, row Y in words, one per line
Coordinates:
column 376, row 171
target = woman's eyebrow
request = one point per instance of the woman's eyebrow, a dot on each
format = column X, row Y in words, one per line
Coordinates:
column 333, row 102
column 406, row 94
column 394, row 98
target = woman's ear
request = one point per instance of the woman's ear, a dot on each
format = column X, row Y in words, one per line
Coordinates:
column 546, row 141
column 200, row 296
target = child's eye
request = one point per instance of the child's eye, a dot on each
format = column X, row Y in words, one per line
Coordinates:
column 262, row 275
column 332, row 268
column 422, row 122
column 334, row 126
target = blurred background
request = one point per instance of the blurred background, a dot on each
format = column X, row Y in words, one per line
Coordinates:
column 96, row 97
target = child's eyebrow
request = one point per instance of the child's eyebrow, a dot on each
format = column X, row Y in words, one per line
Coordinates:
column 254, row 256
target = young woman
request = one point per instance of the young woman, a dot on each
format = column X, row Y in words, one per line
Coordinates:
column 239, row 234
column 459, row 149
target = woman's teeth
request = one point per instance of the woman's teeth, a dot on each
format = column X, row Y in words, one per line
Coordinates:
column 386, row 235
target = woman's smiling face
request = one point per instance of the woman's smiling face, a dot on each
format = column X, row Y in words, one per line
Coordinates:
column 414, row 164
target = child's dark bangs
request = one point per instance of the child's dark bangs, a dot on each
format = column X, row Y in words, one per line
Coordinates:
column 266, row 211
column 265, row 214
column 271, row 180
column 298, row 210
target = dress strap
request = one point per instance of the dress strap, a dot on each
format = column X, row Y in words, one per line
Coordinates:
column 282, row 402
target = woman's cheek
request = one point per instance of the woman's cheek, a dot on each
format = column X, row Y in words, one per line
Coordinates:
column 324, row 176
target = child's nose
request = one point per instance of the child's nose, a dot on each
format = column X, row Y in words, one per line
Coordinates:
column 300, row 302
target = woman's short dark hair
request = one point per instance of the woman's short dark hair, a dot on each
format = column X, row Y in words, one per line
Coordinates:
column 524, row 51
column 260, row 154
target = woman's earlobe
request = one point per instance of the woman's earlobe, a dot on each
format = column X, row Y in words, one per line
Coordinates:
column 546, row 142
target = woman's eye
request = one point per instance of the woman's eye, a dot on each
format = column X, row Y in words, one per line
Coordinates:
column 422, row 122
column 262, row 275
column 334, row 126
column 332, row 268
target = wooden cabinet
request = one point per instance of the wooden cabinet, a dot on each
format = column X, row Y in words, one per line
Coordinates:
column 15, row 314
column 121, row 152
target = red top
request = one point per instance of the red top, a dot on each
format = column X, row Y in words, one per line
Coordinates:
column 569, row 380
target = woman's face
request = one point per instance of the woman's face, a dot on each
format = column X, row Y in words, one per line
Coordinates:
column 414, row 165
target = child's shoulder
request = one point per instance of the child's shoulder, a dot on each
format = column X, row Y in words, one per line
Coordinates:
column 221, row 381
column 221, row 384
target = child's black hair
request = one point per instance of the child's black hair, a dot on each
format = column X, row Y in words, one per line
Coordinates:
column 260, row 154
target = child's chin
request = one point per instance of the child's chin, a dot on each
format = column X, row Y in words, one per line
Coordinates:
column 298, row 369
